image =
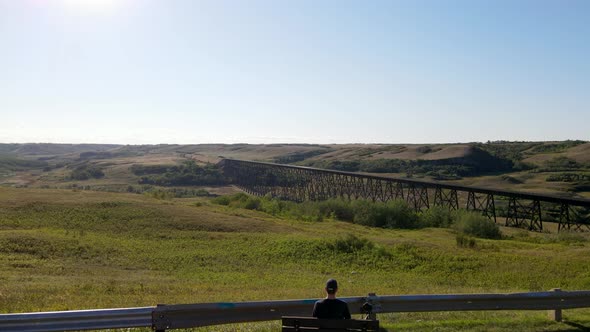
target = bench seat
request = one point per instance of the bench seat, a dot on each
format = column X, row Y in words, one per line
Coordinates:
column 312, row 324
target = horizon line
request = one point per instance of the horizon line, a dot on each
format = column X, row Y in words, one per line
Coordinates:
column 298, row 143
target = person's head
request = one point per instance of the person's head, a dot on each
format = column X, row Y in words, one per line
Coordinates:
column 331, row 286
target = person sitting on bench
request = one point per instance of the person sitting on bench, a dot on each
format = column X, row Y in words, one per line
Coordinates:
column 331, row 307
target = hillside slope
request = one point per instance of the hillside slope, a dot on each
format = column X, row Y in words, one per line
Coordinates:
column 554, row 167
column 64, row 249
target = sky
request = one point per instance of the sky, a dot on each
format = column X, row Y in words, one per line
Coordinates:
column 298, row 71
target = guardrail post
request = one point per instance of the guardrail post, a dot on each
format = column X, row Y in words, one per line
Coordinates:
column 155, row 318
column 555, row 315
column 371, row 300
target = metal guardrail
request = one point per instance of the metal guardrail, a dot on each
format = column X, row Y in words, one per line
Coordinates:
column 165, row 317
column 205, row 314
column 553, row 300
column 77, row 320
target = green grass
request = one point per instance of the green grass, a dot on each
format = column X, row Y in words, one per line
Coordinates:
column 64, row 250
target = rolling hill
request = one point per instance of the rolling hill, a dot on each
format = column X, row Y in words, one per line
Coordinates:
column 552, row 167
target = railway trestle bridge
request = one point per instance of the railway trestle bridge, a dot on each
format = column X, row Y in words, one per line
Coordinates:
column 518, row 209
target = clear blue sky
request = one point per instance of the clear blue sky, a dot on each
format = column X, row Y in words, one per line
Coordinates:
column 184, row 71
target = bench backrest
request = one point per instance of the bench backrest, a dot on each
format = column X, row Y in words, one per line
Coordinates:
column 311, row 324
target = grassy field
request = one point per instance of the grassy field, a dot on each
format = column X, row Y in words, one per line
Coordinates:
column 69, row 249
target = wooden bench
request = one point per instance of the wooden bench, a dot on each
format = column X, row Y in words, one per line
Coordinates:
column 311, row 324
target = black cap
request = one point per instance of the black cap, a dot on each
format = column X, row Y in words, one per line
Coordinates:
column 331, row 285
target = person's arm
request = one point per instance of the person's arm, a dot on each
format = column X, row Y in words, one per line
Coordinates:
column 346, row 311
column 315, row 310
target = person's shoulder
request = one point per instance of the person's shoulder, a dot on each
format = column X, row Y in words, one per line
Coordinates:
column 342, row 303
column 331, row 302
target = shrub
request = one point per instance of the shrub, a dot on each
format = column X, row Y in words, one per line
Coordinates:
column 221, row 200
column 474, row 224
column 273, row 206
column 464, row 241
column 139, row 169
column 86, row 171
column 399, row 214
column 556, row 147
column 436, row 216
column 393, row 214
column 568, row 177
column 244, row 201
column 201, row 192
column 337, row 208
column 561, row 163
column 160, row 194
column 185, row 174
column 396, row 214
column 350, row 244
column 363, row 249
column 366, row 214
column 307, row 211
column 252, row 203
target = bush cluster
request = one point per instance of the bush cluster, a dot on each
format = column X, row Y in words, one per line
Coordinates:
column 568, row 177
column 465, row 241
column 350, row 244
column 174, row 193
column 475, row 224
column 556, row 147
column 393, row 214
column 138, row 169
column 186, row 174
column 86, row 171
column 160, row 194
column 560, row 163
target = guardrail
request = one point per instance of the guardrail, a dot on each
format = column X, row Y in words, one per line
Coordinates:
column 163, row 317
column 77, row 320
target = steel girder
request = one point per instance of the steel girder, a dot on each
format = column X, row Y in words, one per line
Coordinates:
column 482, row 203
column 298, row 184
column 524, row 214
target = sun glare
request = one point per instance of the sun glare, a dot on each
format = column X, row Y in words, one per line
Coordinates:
column 92, row 5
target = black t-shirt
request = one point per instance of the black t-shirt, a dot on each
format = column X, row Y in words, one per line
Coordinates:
column 331, row 309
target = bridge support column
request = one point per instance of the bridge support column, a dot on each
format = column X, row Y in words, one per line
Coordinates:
column 486, row 206
column 447, row 198
column 519, row 213
column 417, row 196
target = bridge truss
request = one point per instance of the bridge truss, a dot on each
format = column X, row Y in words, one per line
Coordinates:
column 296, row 183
